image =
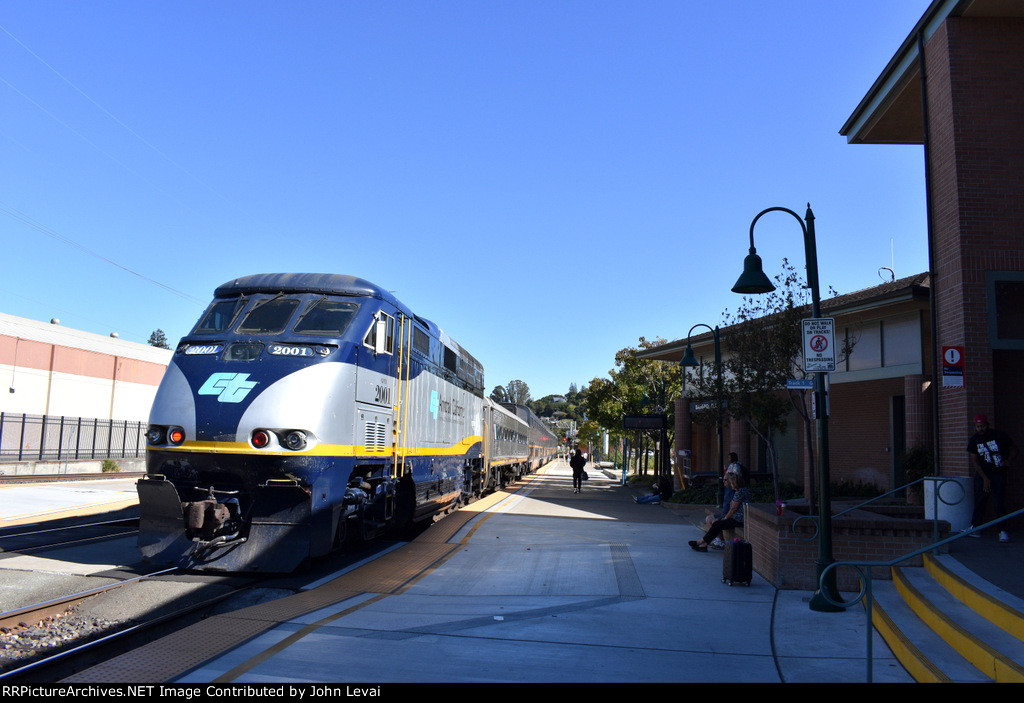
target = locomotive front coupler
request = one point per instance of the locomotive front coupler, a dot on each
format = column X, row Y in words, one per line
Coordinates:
column 206, row 519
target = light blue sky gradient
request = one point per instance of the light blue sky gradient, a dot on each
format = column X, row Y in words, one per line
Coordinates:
column 547, row 181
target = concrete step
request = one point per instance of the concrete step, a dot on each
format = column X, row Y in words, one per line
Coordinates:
column 945, row 624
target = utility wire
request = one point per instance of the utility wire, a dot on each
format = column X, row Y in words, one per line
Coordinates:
column 39, row 227
column 109, row 114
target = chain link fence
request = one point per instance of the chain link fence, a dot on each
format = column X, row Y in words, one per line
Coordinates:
column 51, row 438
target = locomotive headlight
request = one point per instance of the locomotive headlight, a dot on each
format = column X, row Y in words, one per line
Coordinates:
column 175, row 436
column 260, row 439
column 295, row 440
column 155, row 435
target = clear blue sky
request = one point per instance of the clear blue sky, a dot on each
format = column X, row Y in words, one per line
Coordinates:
column 546, row 180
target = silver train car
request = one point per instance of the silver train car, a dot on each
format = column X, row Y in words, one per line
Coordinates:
column 305, row 411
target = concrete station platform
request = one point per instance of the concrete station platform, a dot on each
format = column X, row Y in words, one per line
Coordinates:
column 540, row 585
column 24, row 504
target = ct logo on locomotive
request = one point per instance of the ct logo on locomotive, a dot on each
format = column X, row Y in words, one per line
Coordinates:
column 228, row 387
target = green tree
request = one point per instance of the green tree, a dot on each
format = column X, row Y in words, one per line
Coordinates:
column 158, row 339
column 761, row 350
column 634, row 387
column 515, row 392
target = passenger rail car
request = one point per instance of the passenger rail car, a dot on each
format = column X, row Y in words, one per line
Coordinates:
column 542, row 445
column 307, row 410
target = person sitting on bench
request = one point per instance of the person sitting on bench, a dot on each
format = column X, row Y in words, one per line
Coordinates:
column 732, row 519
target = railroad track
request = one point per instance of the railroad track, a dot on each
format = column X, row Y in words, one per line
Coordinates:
column 27, row 539
column 61, row 643
column 39, row 634
column 37, row 612
column 49, row 641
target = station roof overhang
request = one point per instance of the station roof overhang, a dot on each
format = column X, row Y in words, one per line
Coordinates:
column 878, row 298
column 891, row 112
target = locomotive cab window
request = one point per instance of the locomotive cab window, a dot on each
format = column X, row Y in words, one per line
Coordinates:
column 220, row 316
column 381, row 335
column 329, row 318
column 269, row 316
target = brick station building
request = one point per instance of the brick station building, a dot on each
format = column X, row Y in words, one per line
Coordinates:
column 880, row 396
column 956, row 88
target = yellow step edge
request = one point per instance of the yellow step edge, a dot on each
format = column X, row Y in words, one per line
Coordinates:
column 992, row 609
column 920, row 667
column 986, row 659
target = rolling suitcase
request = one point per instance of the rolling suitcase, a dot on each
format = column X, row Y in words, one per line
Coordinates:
column 737, row 562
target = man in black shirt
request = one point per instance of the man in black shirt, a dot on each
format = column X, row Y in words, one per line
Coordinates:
column 993, row 453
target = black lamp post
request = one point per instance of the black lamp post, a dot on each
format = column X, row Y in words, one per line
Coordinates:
column 754, row 281
column 690, row 359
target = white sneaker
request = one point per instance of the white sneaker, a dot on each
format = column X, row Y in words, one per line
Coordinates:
column 1003, row 537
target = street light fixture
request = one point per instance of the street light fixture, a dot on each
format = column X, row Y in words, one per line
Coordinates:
column 690, row 359
column 754, row 281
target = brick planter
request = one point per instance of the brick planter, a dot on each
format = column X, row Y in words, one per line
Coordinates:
column 785, row 555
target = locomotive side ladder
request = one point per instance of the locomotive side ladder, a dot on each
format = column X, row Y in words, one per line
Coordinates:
column 399, row 442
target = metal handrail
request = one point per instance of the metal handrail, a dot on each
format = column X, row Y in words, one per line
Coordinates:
column 864, row 568
column 936, row 497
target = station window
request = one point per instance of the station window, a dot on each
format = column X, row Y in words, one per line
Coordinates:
column 885, row 343
column 901, row 341
column 1005, row 309
column 867, row 347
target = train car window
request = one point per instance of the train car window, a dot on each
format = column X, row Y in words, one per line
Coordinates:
column 328, row 318
column 219, row 316
column 269, row 317
column 243, row 351
column 450, row 358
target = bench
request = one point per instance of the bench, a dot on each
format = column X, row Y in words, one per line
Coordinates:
column 733, row 533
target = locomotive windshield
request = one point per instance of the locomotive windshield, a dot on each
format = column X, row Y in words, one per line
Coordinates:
column 220, row 316
column 321, row 317
column 326, row 317
column 268, row 317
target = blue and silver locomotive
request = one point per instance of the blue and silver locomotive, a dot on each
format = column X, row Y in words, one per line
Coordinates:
column 307, row 410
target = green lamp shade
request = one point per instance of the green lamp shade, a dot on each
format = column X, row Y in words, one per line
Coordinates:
column 753, row 280
column 689, row 358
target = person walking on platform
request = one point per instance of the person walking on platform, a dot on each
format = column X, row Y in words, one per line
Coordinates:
column 577, row 462
column 994, row 452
